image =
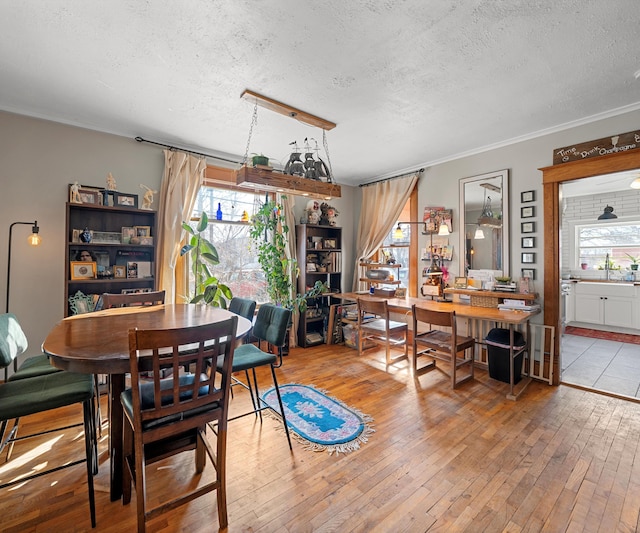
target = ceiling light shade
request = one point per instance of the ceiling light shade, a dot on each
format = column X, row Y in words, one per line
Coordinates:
column 635, row 184
column 479, row 233
column 607, row 214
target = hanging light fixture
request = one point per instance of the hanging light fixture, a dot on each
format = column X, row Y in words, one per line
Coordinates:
column 444, row 229
column 486, row 218
column 607, row 213
column 479, row 233
column 635, row 184
column 397, row 233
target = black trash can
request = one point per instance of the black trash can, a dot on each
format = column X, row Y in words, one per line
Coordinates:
column 498, row 354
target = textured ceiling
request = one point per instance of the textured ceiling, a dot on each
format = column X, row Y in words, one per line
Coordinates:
column 409, row 83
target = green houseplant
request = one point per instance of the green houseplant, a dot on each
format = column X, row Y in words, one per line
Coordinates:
column 268, row 232
column 634, row 261
column 203, row 255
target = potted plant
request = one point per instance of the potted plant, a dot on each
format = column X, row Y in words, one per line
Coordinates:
column 203, row 254
column 634, row 261
column 259, row 159
column 268, row 232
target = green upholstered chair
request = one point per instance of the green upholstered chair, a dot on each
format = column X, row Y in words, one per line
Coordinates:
column 243, row 307
column 167, row 416
column 38, row 394
column 270, row 327
column 13, row 343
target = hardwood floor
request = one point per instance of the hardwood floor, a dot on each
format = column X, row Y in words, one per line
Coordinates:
column 558, row 459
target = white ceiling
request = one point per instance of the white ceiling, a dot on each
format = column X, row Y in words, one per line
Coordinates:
column 409, row 82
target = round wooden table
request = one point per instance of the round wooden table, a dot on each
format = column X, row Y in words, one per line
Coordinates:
column 98, row 343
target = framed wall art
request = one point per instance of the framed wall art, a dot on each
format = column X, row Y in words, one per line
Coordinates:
column 126, row 200
column 528, row 242
column 142, row 231
column 119, row 271
column 528, row 257
column 528, row 227
column 528, row 212
column 527, row 196
column 529, row 273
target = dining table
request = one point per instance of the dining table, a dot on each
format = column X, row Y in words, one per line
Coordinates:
column 509, row 317
column 98, row 343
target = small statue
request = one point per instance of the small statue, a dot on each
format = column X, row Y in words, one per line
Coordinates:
column 313, row 212
column 75, row 194
column 147, row 198
column 328, row 214
column 111, row 183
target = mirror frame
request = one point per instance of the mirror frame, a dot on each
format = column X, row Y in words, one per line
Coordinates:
column 506, row 256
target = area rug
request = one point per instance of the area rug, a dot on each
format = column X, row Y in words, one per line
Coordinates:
column 320, row 422
column 607, row 335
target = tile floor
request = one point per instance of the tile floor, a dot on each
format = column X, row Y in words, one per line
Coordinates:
column 600, row 364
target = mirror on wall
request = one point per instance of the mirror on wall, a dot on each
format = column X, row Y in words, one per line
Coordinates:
column 484, row 224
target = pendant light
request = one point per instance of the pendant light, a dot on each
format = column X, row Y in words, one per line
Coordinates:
column 479, row 233
column 607, row 214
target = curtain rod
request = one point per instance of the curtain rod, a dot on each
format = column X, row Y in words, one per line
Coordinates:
column 175, row 148
column 419, row 171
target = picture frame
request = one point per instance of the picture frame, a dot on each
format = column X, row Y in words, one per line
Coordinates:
column 528, row 242
column 89, row 195
column 528, row 227
column 119, row 271
column 401, row 292
column 142, row 231
column 75, row 236
column 311, row 267
column 83, row 269
column 460, row 282
column 146, row 241
column 329, row 243
column 528, row 211
column 126, row 200
column 528, row 273
column 81, row 303
column 126, row 234
column 528, row 257
column 527, row 196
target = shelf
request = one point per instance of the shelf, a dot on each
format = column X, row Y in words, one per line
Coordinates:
column 381, row 281
column 381, row 265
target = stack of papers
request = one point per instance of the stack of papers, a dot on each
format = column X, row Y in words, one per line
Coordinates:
column 518, row 305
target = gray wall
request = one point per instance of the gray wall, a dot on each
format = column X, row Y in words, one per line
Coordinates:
column 40, row 159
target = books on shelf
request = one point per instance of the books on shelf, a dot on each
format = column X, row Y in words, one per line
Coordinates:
column 518, row 305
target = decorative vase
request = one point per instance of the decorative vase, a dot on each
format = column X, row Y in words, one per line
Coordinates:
column 85, row 236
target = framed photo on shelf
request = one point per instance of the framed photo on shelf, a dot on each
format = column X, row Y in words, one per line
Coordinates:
column 460, row 282
column 528, row 257
column 126, row 200
column 75, row 236
column 142, row 231
column 119, row 271
column 528, row 227
column 88, row 195
column 329, row 243
column 528, row 242
column 527, row 196
column 127, row 233
column 529, row 273
column 528, row 212
column 146, row 241
column 83, row 269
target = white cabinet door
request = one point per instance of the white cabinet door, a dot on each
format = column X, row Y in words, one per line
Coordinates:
column 619, row 312
column 589, row 308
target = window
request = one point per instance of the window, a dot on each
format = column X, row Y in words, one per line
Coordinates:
column 595, row 241
column 238, row 267
column 398, row 248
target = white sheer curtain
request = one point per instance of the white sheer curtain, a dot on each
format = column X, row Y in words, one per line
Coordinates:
column 183, row 176
column 382, row 204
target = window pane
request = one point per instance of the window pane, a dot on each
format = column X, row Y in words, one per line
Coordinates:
column 239, row 267
column 595, row 241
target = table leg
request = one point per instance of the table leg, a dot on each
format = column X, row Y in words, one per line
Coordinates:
column 115, row 434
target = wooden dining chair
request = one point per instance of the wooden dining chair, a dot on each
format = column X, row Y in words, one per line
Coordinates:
column 443, row 344
column 167, row 416
column 375, row 325
column 110, row 300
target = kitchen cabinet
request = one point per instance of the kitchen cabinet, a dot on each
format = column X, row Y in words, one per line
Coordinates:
column 606, row 304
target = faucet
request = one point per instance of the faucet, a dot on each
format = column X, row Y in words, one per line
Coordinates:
column 607, row 267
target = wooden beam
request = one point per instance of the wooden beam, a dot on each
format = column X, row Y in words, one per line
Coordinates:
column 272, row 180
column 287, row 110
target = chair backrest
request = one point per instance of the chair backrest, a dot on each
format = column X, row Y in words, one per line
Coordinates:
column 110, row 300
column 13, row 341
column 243, row 307
column 271, row 324
column 189, row 401
column 435, row 318
column 378, row 307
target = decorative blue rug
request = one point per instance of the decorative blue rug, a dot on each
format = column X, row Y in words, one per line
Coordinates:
column 319, row 422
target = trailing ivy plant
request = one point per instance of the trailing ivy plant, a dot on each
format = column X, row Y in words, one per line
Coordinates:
column 204, row 255
column 268, row 232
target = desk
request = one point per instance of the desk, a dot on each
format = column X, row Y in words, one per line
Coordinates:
column 98, row 343
column 486, row 314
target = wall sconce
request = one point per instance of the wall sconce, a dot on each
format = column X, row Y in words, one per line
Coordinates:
column 607, row 214
column 34, row 240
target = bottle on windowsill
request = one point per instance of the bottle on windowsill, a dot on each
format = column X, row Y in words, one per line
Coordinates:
column 219, row 213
